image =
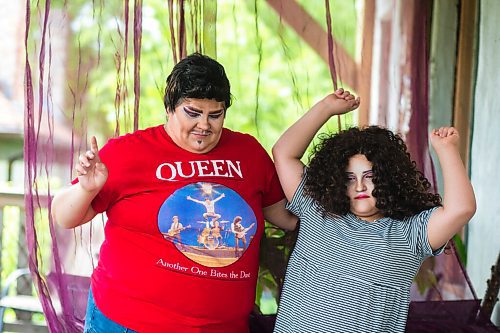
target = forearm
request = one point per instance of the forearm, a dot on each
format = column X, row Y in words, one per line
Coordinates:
column 71, row 206
column 295, row 140
column 278, row 215
column 458, row 196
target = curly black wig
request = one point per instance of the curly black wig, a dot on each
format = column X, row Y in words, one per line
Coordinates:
column 400, row 189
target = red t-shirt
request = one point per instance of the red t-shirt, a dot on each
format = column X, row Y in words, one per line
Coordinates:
column 199, row 273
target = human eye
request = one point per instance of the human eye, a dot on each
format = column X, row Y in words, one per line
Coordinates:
column 191, row 113
column 351, row 179
column 216, row 115
column 369, row 175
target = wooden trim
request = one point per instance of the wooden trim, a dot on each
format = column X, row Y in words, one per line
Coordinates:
column 209, row 28
column 465, row 75
column 365, row 73
column 317, row 38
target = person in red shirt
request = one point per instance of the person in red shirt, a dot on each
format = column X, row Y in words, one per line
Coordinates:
column 145, row 282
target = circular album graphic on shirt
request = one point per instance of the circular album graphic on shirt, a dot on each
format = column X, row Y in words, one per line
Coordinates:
column 208, row 222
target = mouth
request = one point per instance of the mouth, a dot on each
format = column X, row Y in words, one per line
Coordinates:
column 361, row 196
column 201, row 135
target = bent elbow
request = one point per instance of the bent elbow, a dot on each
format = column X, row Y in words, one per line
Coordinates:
column 471, row 211
column 466, row 212
column 60, row 221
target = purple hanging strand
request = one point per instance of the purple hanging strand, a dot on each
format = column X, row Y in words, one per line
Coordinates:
column 172, row 30
column 331, row 62
column 99, row 28
column 68, row 319
column 293, row 76
column 182, row 30
column 137, row 59
column 118, row 62
column 193, row 15
column 124, row 89
column 258, row 41
column 462, row 268
column 30, row 145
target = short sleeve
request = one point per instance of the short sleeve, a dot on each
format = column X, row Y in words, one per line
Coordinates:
column 419, row 240
column 300, row 201
column 271, row 187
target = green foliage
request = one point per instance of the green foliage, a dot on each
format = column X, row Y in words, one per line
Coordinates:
column 275, row 77
column 461, row 249
column 426, row 278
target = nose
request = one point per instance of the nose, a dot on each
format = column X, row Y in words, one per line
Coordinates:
column 360, row 185
column 203, row 123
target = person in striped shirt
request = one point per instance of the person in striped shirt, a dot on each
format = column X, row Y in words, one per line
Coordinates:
column 367, row 221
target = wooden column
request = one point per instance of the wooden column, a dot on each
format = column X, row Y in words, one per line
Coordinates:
column 465, row 75
column 365, row 74
column 209, row 28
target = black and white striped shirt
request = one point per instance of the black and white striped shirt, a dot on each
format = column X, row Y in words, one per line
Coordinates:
column 349, row 275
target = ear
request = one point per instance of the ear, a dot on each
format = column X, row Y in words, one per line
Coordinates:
column 168, row 113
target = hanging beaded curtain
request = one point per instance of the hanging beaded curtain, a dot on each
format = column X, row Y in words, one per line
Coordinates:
column 61, row 263
column 450, row 281
column 189, row 26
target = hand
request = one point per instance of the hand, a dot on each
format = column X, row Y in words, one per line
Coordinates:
column 341, row 101
column 444, row 137
column 92, row 173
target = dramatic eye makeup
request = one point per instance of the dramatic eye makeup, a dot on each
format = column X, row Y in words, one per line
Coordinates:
column 193, row 113
column 351, row 177
column 368, row 174
column 216, row 115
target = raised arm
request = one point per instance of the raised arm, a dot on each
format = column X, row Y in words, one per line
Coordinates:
column 292, row 145
column 218, row 198
column 71, row 206
column 459, row 202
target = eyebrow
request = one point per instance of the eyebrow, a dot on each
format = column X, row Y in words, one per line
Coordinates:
column 193, row 109
column 364, row 172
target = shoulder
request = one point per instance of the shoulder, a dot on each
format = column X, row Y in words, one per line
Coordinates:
column 422, row 216
column 242, row 138
column 141, row 142
column 243, row 142
column 141, row 136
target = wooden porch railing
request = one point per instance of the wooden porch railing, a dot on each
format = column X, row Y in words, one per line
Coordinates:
column 23, row 285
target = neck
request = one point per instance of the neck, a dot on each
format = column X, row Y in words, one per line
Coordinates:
column 370, row 218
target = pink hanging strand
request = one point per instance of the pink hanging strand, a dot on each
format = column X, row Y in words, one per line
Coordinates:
column 137, row 59
column 172, row 33
column 258, row 41
column 30, row 156
column 177, row 36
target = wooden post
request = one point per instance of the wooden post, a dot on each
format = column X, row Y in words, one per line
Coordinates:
column 209, row 28
column 466, row 65
column 365, row 74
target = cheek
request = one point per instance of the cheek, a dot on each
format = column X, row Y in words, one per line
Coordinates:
column 218, row 123
column 351, row 193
